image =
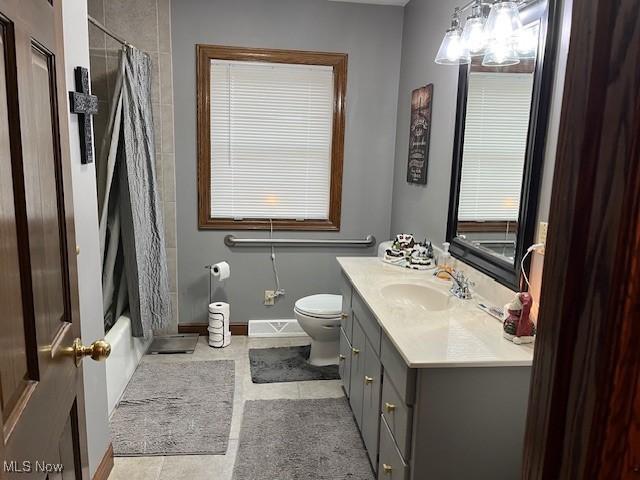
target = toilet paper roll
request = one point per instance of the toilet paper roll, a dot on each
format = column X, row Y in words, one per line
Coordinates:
column 219, row 325
column 221, row 270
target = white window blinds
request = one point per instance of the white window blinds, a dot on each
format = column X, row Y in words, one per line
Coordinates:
column 271, row 128
column 495, row 142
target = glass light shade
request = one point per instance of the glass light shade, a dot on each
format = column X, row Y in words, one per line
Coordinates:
column 452, row 50
column 503, row 22
column 500, row 54
column 473, row 36
column 526, row 42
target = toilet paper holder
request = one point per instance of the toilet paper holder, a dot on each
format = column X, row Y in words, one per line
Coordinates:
column 210, row 268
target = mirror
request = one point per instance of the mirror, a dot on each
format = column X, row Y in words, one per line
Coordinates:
column 498, row 152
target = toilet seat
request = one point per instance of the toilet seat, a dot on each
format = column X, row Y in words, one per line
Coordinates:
column 323, row 306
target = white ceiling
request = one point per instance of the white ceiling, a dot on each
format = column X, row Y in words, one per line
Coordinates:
column 400, row 3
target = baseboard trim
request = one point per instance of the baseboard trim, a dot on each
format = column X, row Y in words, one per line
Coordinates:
column 201, row 328
column 106, row 465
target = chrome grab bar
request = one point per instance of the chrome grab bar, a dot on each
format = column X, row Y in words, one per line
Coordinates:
column 232, row 241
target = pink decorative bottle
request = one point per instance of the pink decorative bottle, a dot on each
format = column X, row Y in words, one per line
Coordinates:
column 518, row 326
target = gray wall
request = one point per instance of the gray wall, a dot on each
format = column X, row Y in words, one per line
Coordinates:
column 371, row 35
column 423, row 210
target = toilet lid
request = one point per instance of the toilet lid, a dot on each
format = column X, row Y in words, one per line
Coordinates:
column 323, row 305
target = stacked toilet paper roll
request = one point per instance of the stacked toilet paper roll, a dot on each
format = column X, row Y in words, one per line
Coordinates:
column 219, row 327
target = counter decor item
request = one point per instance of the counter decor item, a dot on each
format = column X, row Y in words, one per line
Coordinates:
column 405, row 252
column 518, row 326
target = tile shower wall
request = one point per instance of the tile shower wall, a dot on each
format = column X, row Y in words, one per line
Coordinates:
column 146, row 24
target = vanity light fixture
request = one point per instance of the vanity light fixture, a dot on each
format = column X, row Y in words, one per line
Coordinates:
column 473, row 34
column 500, row 37
column 453, row 51
column 503, row 22
column 500, row 54
column 526, row 42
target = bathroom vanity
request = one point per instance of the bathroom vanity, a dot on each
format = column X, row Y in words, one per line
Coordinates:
column 435, row 389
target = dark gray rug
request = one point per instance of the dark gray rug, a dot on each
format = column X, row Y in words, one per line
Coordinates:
column 300, row 440
column 287, row 364
column 175, row 408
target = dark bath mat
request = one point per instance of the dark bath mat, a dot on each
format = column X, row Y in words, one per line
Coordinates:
column 300, row 439
column 175, row 408
column 287, row 364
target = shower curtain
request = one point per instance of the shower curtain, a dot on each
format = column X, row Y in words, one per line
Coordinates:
column 134, row 268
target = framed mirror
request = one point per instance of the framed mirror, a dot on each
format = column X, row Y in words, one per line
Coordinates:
column 499, row 148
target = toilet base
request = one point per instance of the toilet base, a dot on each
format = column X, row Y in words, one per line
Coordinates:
column 324, row 353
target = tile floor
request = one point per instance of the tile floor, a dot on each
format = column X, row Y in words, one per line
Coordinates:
column 220, row 467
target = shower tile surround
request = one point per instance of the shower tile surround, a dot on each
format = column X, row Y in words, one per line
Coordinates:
column 146, row 24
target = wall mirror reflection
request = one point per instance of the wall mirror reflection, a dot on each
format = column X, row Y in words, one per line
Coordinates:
column 503, row 100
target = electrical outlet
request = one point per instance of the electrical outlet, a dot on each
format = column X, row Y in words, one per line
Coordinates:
column 542, row 235
column 269, row 297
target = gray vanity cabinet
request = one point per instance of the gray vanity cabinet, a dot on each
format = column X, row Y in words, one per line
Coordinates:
column 356, row 382
column 392, row 465
column 429, row 423
column 371, row 379
column 344, row 367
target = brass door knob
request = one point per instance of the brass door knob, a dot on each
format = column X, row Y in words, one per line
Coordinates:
column 341, row 357
column 387, row 468
column 389, row 407
column 368, row 380
column 355, row 351
column 98, row 351
column 344, row 315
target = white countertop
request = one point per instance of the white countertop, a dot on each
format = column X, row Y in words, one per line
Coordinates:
column 460, row 336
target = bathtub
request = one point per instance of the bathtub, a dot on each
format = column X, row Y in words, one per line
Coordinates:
column 126, row 352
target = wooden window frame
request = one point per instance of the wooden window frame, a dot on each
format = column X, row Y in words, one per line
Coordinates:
column 206, row 53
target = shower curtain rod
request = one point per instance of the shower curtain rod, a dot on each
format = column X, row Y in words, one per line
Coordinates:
column 107, row 31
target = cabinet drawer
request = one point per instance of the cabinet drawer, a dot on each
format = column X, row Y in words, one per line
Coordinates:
column 372, row 379
column 346, row 322
column 367, row 321
column 395, row 368
column 398, row 417
column 391, row 465
column 344, row 367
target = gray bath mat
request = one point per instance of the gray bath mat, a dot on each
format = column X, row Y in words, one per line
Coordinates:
column 175, row 408
column 287, row 364
column 178, row 343
column 300, row 439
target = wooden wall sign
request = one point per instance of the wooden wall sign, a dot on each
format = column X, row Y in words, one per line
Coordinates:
column 419, row 134
column 85, row 105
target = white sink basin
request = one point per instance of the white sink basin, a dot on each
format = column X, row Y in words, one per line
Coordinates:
column 411, row 295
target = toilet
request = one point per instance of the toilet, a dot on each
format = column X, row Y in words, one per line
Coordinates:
column 319, row 317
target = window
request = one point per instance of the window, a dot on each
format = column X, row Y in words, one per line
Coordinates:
column 270, row 138
column 494, row 146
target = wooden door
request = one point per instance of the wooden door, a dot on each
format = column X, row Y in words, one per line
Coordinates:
column 41, row 395
column 584, row 406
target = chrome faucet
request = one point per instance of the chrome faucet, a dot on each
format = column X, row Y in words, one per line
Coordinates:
column 461, row 287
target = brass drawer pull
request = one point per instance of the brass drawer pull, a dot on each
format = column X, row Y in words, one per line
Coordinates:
column 341, row 357
column 368, row 380
column 344, row 316
column 355, row 351
column 387, row 468
column 389, row 407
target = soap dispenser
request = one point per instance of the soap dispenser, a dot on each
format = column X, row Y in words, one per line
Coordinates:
column 444, row 262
